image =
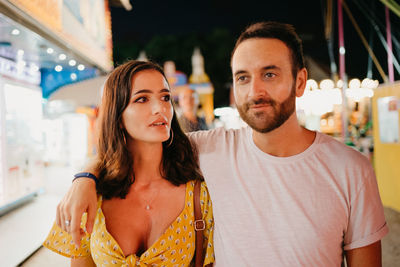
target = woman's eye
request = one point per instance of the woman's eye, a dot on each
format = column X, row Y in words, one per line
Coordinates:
column 166, row 98
column 141, row 99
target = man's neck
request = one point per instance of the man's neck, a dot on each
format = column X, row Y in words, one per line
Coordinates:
column 190, row 116
column 287, row 140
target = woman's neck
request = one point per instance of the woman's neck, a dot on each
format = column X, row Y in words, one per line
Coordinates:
column 147, row 159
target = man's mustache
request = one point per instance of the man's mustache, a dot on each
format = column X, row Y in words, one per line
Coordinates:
column 260, row 101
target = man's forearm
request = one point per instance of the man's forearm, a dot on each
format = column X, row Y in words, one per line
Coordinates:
column 368, row 256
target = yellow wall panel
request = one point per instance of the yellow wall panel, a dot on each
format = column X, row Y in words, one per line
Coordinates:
column 387, row 155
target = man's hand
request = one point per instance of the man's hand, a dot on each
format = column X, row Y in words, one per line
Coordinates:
column 80, row 198
column 369, row 256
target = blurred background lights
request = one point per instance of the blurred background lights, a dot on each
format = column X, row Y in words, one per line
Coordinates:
column 354, row 83
column 15, row 32
column 81, row 67
column 358, row 90
column 336, row 96
column 326, row 84
column 311, row 85
column 50, row 50
column 58, row 68
column 339, row 84
column 318, row 100
column 34, row 67
column 72, row 62
column 62, row 57
column 73, row 76
column 370, row 84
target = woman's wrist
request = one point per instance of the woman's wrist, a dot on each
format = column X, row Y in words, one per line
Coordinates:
column 86, row 175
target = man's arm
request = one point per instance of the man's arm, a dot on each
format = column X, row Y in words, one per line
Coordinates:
column 368, row 256
column 81, row 197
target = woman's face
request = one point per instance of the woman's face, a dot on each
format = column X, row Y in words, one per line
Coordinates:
column 147, row 118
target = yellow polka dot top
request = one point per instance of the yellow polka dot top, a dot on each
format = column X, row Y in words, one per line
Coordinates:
column 175, row 247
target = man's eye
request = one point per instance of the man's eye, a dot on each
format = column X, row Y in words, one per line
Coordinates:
column 270, row 75
column 241, row 78
column 141, row 100
column 166, row 98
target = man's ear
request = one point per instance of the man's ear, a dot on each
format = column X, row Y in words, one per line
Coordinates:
column 301, row 80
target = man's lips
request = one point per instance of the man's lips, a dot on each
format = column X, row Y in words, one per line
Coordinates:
column 259, row 106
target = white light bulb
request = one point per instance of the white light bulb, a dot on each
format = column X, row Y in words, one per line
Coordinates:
column 58, row 68
column 62, row 57
column 15, row 32
column 311, row 84
column 354, row 83
column 326, row 84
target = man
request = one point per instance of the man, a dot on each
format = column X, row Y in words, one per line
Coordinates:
column 282, row 195
column 188, row 103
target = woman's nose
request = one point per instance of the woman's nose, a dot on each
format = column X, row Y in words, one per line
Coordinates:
column 157, row 107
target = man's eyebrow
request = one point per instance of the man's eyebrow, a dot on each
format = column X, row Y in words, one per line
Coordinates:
column 148, row 91
column 271, row 67
column 239, row 72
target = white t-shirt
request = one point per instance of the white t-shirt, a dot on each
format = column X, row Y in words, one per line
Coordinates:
column 301, row 210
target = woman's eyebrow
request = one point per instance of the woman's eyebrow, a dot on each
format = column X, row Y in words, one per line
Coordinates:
column 150, row 91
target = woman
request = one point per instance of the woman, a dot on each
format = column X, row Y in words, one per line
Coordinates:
column 146, row 171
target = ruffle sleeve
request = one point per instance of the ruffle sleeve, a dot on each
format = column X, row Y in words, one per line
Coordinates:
column 61, row 242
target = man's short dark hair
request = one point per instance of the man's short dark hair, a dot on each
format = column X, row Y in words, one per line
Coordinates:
column 276, row 30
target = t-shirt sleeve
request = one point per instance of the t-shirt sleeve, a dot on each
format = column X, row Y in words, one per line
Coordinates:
column 200, row 138
column 61, row 242
column 367, row 223
column 206, row 208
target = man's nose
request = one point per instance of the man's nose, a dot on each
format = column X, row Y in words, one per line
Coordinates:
column 257, row 88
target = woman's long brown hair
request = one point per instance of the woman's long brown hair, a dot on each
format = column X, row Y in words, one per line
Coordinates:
column 115, row 163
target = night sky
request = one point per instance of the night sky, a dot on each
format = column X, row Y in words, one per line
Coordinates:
column 152, row 22
column 179, row 16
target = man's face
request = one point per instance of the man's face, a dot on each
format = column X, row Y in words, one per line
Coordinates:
column 187, row 100
column 264, row 88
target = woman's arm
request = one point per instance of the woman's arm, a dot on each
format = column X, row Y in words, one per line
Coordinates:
column 83, row 262
column 81, row 197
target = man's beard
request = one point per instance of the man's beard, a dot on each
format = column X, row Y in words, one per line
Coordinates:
column 262, row 121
